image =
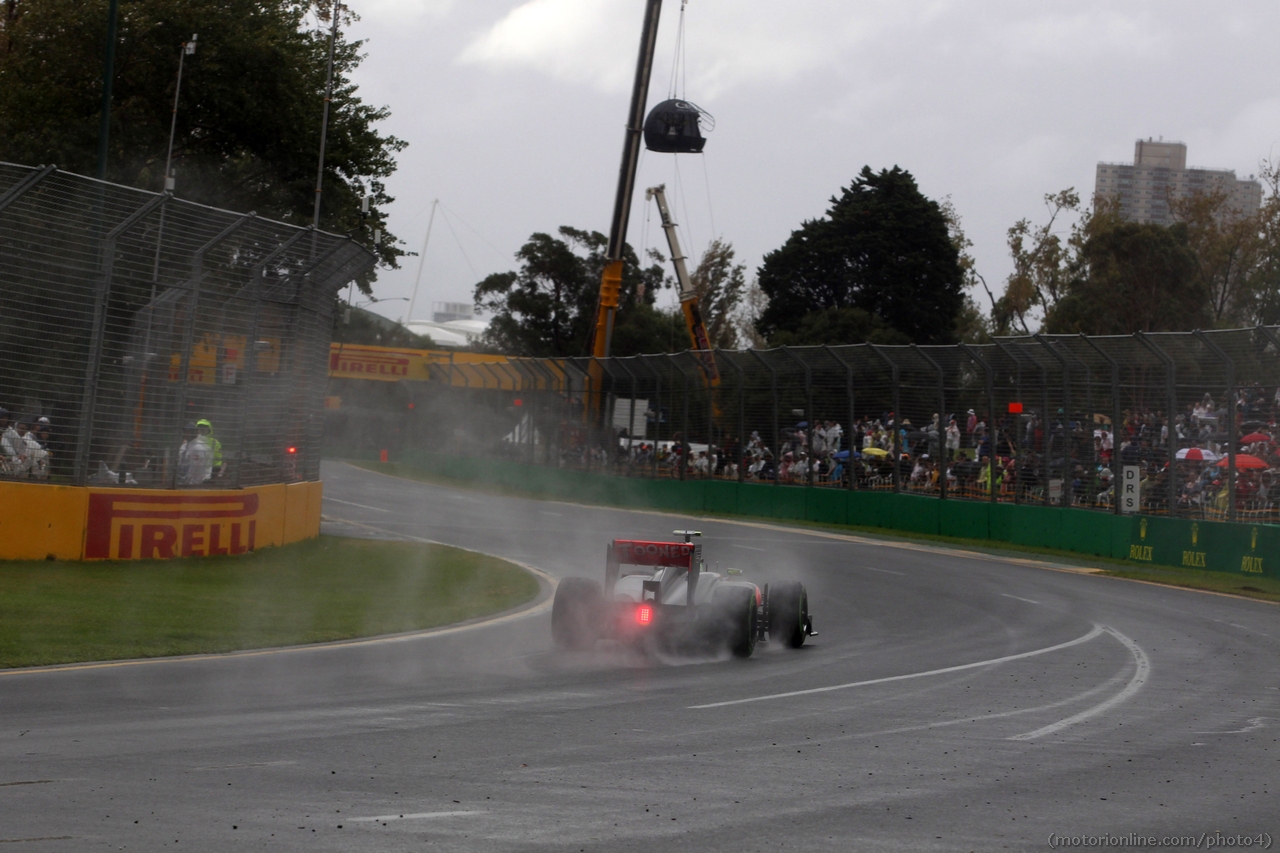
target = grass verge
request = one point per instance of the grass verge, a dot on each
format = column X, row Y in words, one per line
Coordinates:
column 1264, row 589
column 325, row 589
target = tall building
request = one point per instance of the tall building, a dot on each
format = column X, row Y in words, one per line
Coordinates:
column 1159, row 173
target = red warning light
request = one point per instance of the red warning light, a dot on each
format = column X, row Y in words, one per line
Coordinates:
column 292, row 450
column 411, row 407
column 1015, row 408
column 518, row 402
column 644, row 614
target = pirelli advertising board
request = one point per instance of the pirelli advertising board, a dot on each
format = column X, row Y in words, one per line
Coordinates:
column 148, row 524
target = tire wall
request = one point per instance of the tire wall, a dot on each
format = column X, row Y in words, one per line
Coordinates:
column 1242, row 548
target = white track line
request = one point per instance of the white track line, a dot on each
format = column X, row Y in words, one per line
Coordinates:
column 1016, row 598
column 353, row 503
column 885, row 571
column 1097, row 629
column 1143, row 667
column 418, row 816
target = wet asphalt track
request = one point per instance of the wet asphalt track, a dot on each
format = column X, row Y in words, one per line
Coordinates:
column 951, row 703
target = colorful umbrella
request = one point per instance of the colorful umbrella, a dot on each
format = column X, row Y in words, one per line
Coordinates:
column 1196, row 454
column 1244, row 461
column 1255, row 436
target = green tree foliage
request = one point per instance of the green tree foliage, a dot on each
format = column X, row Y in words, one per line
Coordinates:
column 248, row 123
column 548, row 307
column 1139, row 278
column 356, row 325
column 883, row 249
column 720, row 285
column 1043, row 266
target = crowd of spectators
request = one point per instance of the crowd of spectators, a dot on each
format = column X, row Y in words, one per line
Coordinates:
column 25, row 452
column 1064, row 459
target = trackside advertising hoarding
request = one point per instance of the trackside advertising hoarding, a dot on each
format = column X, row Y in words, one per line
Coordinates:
column 144, row 524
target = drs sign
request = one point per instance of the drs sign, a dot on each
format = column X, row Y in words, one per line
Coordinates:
column 1130, row 489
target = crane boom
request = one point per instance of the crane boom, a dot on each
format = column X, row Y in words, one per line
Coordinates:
column 611, row 278
column 699, row 342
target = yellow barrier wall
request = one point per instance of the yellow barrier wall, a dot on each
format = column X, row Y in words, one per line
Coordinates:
column 38, row 520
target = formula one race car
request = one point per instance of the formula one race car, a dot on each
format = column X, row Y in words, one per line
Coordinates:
column 672, row 603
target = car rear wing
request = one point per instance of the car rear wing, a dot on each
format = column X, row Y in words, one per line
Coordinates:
column 638, row 552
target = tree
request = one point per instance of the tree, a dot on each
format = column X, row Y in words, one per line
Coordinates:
column 1138, row 278
column 884, row 249
column 248, row 123
column 1043, row 265
column 1226, row 245
column 720, row 285
column 548, row 307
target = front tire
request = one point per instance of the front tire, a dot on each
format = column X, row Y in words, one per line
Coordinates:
column 577, row 614
column 788, row 613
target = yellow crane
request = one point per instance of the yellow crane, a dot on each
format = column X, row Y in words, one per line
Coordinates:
column 672, row 127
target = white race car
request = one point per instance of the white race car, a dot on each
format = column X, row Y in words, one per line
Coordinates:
column 659, row 596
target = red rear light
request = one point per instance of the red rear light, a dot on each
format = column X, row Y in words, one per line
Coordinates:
column 292, row 450
column 644, row 614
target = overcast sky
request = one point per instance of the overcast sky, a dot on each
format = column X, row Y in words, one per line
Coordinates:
column 514, row 112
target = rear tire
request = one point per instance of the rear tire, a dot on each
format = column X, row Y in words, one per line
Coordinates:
column 577, row 614
column 788, row 613
column 737, row 606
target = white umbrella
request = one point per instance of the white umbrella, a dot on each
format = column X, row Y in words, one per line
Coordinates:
column 1197, row 454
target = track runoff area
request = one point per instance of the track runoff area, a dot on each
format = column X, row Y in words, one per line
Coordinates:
column 952, row 701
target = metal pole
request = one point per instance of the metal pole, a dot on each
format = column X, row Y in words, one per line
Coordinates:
column 1066, row 404
column 942, row 411
column 848, row 379
column 1232, row 509
column 991, row 416
column 324, row 121
column 684, row 457
column 1017, row 360
column 23, row 186
column 89, row 399
column 657, row 412
column 422, row 259
column 1171, row 404
column 1115, row 419
column 742, row 412
column 808, row 396
column 631, row 418
column 108, row 77
column 773, row 394
column 255, row 283
column 897, row 419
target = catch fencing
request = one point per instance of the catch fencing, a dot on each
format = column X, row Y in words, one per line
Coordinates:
column 125, row 315
column 1166, row 424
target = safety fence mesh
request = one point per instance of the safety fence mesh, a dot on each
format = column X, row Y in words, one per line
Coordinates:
column 1181, row 424
column 127, row 316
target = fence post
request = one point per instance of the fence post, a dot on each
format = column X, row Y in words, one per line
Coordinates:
column 1018, row 477
column 742, row 411
column 1232, row 509
column 808, row 402
column 21, row 188
column 773, row 395
column 1066, row 408
column 631, row 418
column 1115, row 419
column 684, row 416
column 89, row 399
column 897, row 420
column 657, row 412
column 848, row 381
column 1171, row 405
column 991, row 417
column 942, row 411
